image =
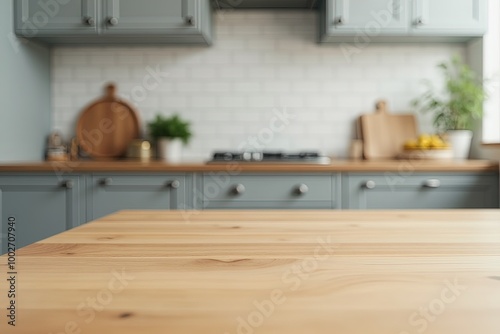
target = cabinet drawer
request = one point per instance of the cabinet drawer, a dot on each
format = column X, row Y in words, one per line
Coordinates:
column 42, row 205
column 268, row 191
column 111, row 193
column 421, row 191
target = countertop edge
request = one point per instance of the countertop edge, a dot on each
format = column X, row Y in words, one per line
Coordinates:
column 346, row 166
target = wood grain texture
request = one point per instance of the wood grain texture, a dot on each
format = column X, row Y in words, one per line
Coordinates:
column 106, row 128
column 265, row 272
column 404, row 166
column 384, row 134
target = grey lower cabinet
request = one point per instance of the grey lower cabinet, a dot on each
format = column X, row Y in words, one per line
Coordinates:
column 115, row 21
column 420, row 191
column 42, row 206
column 107, row 193
column 46, row 204
column 270, row 191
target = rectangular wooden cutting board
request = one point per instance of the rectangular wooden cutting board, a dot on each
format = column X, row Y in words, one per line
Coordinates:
column 384, row 134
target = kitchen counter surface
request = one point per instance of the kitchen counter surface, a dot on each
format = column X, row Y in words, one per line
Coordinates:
column 403, row 166
column 272, row 272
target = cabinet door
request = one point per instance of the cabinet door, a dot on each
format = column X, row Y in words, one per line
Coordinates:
column 423, row 191
column 112, row 193
column 368, row 18
column 449, row 17
column 150, row 17
column 42, row 206
column 55, row 17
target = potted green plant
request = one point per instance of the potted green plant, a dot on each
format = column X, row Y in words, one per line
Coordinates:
column 170, row 134
column 457, row 106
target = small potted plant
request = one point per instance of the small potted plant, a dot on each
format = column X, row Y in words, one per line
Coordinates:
column 457, row 106
column 170, row 134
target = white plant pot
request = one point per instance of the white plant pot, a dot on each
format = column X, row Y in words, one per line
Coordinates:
column 169, row 150
column 460, row 141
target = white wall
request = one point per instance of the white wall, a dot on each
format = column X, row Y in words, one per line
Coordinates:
column 484, row 58
column 262, row 62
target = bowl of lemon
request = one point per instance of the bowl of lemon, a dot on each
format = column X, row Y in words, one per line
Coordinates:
column 428, row 147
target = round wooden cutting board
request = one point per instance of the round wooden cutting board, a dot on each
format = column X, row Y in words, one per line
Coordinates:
column 107, row 127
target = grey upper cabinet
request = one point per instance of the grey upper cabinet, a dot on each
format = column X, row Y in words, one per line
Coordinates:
column 115, row 21
column 126, row 17
column 420, row 191
column 42, row 205
column 443, row 17
column 35, row 18
column 360, row 22
column 353, row 16
column 111, row 193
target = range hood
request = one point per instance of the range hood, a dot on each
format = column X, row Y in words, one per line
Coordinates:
column 254, row 4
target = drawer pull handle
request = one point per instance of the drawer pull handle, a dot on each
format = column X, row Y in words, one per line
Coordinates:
column 420, row 21
column 432, row 183
column 190, row 20
column 106, row 182
column 370, row 184
column 302, row 189
column 174, row 184
column 68, row 184
column 90, row 21
column 340, row 21
column 113, row 21
column 239, row 189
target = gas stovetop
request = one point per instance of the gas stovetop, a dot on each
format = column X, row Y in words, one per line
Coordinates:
column 271, row 157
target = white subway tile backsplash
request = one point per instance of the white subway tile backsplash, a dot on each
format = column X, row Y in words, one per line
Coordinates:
column 277, row 87
column 247, row 87
column 264, row 65
column 203, row 101
column 86, row 73
column 247, row 58
column 262, row 72
column 261, row 101
column 232, row 72
column 190, row 87
column 203, row 72
column 291, row 72
column 174, row 101
column 227, row 100
column 62, row 73
column 303, row 87
column 73, row 88
column 74, row 59
column 217, row 87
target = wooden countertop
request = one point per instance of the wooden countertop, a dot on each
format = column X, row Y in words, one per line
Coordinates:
column 335, row 166
column 271, row 272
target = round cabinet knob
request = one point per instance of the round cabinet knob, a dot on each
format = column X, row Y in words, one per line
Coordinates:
column 340, row 20
column 113, row 21
column 68, row 184
column 419, row 21
column 370, row 184
column 302, row 189
column 432, row 183
column 190, row 20
column 239, row 189
column 106, row 182
column 175, row 184
column 90, row 21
